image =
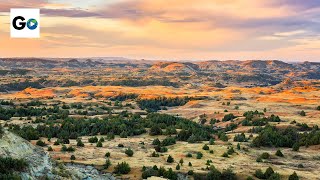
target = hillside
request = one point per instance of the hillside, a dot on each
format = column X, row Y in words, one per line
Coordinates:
column 39, row 163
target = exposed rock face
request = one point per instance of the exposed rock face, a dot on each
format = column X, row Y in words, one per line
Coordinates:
column 88, row 172
column 40, row 165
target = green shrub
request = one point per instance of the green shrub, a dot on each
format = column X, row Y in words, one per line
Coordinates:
column 296, row 147
column 211, row 141
column 294, row 176
column 199, row 155
column 302, row 113
column 265, row 155
column 41, row 143
column 107, row 154
column 93, row 140
column 156, row 142
column 154, row 154
column 50, row 148
column 230, row 151
column 107, row 164
column 80, row 143
column 129, row 152
column 99, row 144
column 205, row 147
column 259, row 159
column 259, row 174
column 279, row 153
column 72, row 157
column 170, row 159
column 225, row 154
column 189, row 155
column 268, row 173
column 122, row 168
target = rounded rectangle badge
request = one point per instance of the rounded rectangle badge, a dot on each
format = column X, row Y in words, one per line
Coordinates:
column 25, row 23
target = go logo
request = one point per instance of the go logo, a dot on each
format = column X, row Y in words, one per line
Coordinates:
column 32, row 24
column 25, row 23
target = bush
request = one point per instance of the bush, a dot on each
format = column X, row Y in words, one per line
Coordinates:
column 155, row 130
column 40, row 143
column 129, row 152
column 211, row 141
column 259, row 159
column 225, row 155
column 80, row 143
column 120, row 145
column 123, row 134
column 190, row 164
column 154, row 154
column 228, row 117
column 231, row 151
column 99, row 144
column 178, row 167
column 72, row 157
column 296, row 147
column 156, row 142
column 300, row 166
column 93, row 140
column 265, row 155
column 50, row 148
column 211, row 151
column 240, row 138
column 279, row 153
column 150, row 172
column 181, row 162
column 190, row 172
column 223, row 137
column 259, row 174
column 274, row 176
column 318, row 108
column 205, row 147
column 56, row 143
column 122, row 168
column 8, row 165
column 107, row 154
column 302, row 113
column 69, row 149
column 293, row 176
column 107, row 164
column 199, row 155
column 189, row 155
column 268, row 173
column 170, row 159
column 168, row 141
column 228, row 175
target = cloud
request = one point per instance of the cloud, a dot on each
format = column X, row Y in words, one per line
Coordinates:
column 78, row 13
column 290, row 33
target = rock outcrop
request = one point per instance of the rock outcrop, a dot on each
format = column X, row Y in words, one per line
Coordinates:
column 40, row 165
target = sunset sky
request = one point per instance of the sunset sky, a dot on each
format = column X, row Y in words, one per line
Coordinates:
column 288, row 30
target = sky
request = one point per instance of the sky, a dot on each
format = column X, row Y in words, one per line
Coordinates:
column 286, row 30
